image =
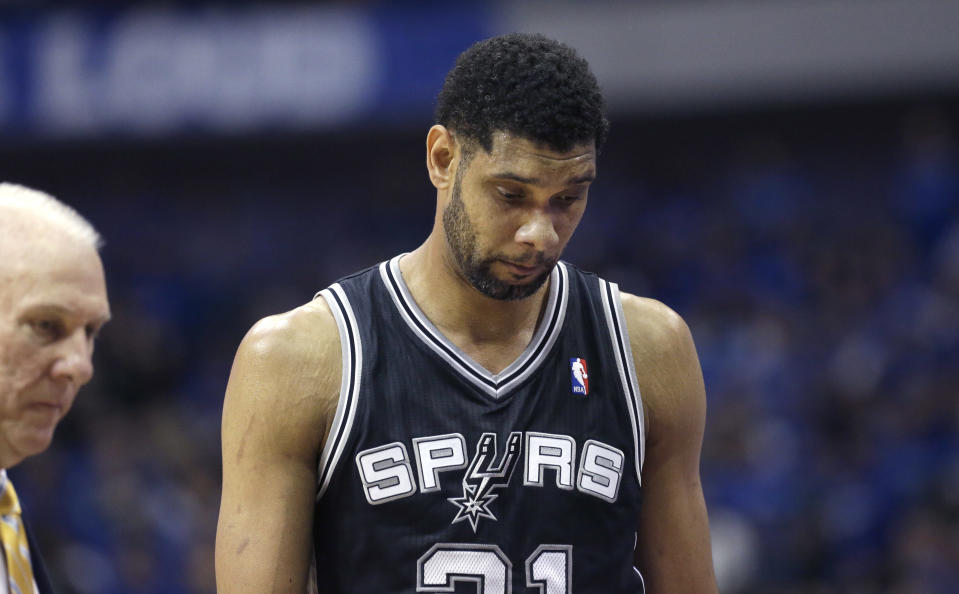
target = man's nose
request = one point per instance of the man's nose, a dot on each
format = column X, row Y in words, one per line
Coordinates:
column 76, row 359
column 538, row 231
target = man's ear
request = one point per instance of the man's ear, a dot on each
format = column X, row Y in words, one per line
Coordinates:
column 440, row 149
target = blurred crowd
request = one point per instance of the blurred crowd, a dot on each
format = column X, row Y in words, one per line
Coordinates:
column 816, row 260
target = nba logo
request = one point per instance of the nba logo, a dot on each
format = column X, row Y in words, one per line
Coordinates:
column 579, row 376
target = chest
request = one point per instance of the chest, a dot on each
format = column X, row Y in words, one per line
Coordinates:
column 423, row 428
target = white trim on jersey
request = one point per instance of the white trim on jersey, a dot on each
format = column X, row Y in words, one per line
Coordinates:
column 641, row 578
column 616, row 320
column 352, row 348
column 494, row 385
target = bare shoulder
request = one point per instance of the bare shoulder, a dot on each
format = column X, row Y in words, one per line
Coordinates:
column 292, row 339
column 667, row 367
column 287, row 369
column 654, row 328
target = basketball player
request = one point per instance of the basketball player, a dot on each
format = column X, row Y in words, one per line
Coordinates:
column 53, row 302
column 475, row 415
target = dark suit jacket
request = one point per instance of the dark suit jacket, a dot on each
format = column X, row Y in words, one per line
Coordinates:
column 39, row 570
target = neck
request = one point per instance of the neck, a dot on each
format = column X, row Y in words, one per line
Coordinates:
column 460, row 311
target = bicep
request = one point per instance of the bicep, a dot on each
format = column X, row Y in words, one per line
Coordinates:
column 673, row 548
column 271, row 432
column 263, row 533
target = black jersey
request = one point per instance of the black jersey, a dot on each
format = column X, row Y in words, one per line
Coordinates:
column 439, row 476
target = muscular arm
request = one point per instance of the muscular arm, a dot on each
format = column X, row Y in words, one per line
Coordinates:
column 673, row 550
column 281, row 396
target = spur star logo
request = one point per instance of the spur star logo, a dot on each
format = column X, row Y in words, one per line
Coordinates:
column 388, row 473
column 483, row 476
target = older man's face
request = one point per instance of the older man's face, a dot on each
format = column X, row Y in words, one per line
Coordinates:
column 53, row 302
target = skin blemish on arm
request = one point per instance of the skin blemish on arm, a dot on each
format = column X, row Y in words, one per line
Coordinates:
column 246, row 433
column 242, row 546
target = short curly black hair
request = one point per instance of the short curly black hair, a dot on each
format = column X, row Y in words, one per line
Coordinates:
column 527, row 85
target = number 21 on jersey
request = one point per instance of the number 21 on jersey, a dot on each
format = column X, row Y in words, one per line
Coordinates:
column 548, row 569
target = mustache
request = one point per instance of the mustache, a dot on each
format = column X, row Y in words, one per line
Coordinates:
column 530, row 259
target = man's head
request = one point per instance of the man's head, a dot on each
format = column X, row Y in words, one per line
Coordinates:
column 520, row 120
column 53, row 302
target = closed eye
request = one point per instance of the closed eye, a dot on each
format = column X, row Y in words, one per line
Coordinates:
column 569, row 200
column 509, row 195
column 47, row 328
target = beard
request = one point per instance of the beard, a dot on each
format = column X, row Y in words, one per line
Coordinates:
column 461, row 237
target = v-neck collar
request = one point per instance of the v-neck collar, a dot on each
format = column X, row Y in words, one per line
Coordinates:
column 493, row 385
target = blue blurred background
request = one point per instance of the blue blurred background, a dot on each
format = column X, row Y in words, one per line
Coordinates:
column 785, row 174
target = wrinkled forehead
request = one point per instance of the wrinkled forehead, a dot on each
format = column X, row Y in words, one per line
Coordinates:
column 58, row 269
column 25, row 234
column 25, row 251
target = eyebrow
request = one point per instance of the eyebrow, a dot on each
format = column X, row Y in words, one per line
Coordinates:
column 65, row 311
column 582, row 179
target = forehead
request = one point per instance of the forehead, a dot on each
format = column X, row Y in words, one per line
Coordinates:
column 65, row 275
column 527, row 158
